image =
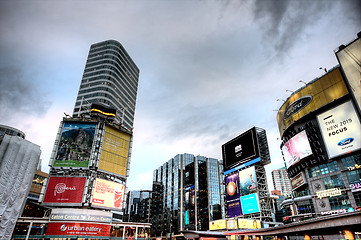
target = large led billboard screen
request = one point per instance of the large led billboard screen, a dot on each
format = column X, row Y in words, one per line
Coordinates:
column 297, row 148
column 250, row 203
column 240, row 149
column 75, row 144
column 115, row 150
column 107, row 194
column 248, row 181
column 340, row 128
column 320, row 92
column 232, row 195
column 64, row 191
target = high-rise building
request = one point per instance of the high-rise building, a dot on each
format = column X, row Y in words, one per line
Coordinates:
column 281, row 181
column 186, row 194
column 137, row 206
column 111, row 79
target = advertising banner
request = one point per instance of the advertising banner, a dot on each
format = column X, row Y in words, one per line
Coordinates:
column 75, row 145
column 250, row 203
column 232, row 187
column 313, row 96
column 107, row 194
column 77, row 229
column 234, row 208
column 115, row 150
column 298, row 181
column 297, row 148
column 248, row 181
column 65, row 190
column 218, row 224
column 231, row 224
column 341, row 130
column 240, row 149
column 248, row 224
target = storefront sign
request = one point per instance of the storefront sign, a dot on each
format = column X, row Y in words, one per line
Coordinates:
column 87, row 215
column 334, row 212
column 329, row 193
column 355, row 187
column 78, row 229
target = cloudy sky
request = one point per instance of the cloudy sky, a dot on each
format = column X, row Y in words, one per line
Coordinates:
column 210, row 70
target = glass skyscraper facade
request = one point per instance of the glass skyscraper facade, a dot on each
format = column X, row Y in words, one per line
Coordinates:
column 187, row 194
column 110, row 78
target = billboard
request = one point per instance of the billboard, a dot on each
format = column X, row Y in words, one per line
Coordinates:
column 77, row 229
column 232, row 195
column 320, row 92
column 340, row 128
column 240, row 149
column 248, row 181
column 115, row 151
column 86, row 215
column 218, row 224
column 250, row 203
column 297, row 148
column 75, row 144
column 298, row 181
column 248, row 223
column 64, row 191
column 107, row 194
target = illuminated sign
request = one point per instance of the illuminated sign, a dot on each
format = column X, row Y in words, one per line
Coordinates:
column 355, row 187
column 297, row 148
column 341, row 130
column 329, row 193
column 231, row 224
column 73, row 214
column 107, row 194
column 65, row 191
column 248, row 224
column 218, row 224
column 248, row 181
column 323, row 91
column 250, row 203
column 115, row 151
column 75, row 145
column 240, row 149
column 102, row 111
column 298, row 181
column 78, row 229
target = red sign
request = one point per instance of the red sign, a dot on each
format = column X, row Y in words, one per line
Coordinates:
column 79, row 229
column 65, row 190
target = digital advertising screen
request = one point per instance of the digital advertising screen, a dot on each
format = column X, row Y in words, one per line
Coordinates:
column 218, row 224
column 64, row 191
column 248, row 181
column 232, row 187
column 107, row 194
column 248, row 223
column 297, row 148
column 75, row 144
column 240, row 149
column 250, row 203
column 234, row 208
column 340, row 128
column 115, row 151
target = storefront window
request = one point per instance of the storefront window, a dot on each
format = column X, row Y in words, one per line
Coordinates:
column 339, row 202
column 357, row 197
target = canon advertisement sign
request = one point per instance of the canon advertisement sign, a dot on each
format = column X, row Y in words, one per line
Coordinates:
column 340, row 128
column 78, row 229
column 240, row 149
column 64, row 191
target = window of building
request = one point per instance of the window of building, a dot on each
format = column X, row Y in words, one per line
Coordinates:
column 354, row 176
column 339, row 202
column 323, row 169
column 333, row 181
column 357, row 197
column 351, row 161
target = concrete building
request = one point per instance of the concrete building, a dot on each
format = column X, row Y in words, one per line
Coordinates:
column 111, row 79
column 281, row 181
column 186, row 194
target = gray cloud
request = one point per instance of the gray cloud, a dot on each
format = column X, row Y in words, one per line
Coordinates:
column 18, row 95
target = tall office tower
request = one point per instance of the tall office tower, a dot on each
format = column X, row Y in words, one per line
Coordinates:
column 137, row 206
column 281, row 181
column 186, row 194
column 111, row 79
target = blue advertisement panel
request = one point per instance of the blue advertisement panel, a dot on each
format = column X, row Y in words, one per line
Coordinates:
column 248, row 181
column 250, row 203
column 232, row 187
column 234, row 208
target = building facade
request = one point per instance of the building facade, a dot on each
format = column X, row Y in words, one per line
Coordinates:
column 111, row 79
column 137, row 206
column 320, row 129
column 281, row 181
column 186, row 194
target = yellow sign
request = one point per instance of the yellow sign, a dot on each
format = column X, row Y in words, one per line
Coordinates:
column 231, row 224
column 313, row 96
column 329, row 193
column 115, row 149
column 248, row 223
column 218, row 224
